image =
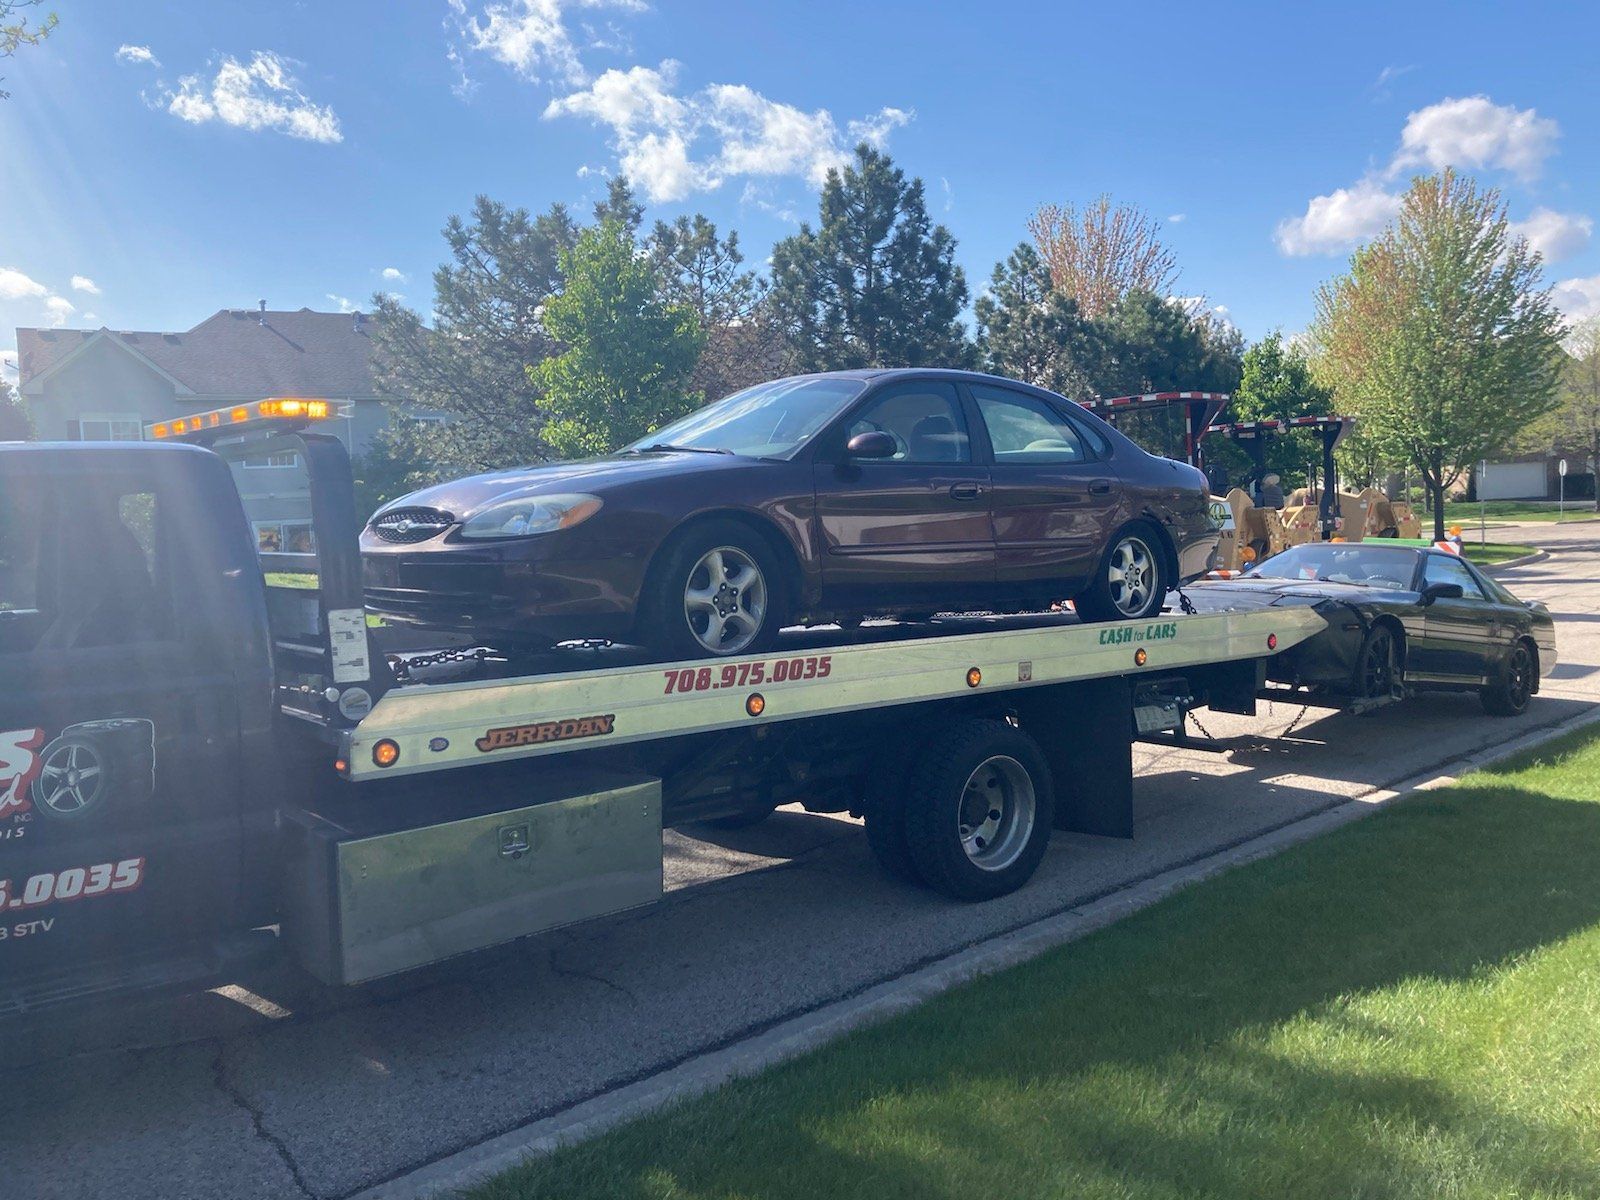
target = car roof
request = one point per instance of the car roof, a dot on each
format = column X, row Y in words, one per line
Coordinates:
column 878, row 373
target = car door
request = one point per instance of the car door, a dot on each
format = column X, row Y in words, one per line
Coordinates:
column 119, row 828
column 1055, row 502
column 913, row 529
column 1457, row 635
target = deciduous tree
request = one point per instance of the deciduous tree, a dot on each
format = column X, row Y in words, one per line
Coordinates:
column 1441, row 335
column 15, row 32
column 876, row 283
column 1275, row 383
column 1099, row 254
column 629, row 354
column 16, row 422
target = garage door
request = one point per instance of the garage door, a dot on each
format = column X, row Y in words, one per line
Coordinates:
column 1513, row 481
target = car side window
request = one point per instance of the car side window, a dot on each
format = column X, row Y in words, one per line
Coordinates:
column 1445, row 568
column 1025, row 430
column 79, row 564
column 924, row 419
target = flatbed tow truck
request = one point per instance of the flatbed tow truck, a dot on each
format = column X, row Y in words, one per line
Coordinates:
column 206, row 756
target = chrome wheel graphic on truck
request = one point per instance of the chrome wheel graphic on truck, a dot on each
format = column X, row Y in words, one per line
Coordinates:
column 72, row 778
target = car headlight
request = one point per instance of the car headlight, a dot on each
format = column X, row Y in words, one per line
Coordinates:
column 527, row 515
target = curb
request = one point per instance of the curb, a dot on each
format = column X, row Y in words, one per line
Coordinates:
column 814, row 1029
column 1536, row 556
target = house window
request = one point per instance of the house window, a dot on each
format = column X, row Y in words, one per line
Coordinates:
column 262, row 462
column 284, row 537
column 110, row 427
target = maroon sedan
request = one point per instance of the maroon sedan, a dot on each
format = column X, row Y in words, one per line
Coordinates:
column 806, row 500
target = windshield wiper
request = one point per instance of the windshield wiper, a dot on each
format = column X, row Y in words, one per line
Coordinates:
column 663, row 446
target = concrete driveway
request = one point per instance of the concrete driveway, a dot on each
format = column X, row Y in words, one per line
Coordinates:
column 286, row 1089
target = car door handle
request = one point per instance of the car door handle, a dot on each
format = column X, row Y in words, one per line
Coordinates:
column 1100, row 487
column 965, row 491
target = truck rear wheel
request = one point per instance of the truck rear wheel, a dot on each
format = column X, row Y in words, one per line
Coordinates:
column 884, row 807
column 979, row 806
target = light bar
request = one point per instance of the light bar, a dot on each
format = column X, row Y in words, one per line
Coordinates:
column 291, row 409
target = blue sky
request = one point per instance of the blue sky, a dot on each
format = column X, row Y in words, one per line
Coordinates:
column 164, row 161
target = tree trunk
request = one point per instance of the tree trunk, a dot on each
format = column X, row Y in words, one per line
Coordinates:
column 1436, row 490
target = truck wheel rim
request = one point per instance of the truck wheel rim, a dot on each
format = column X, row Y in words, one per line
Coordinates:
column 996, row 815
column 70, row 779
column 725, row 600
column 1132, row 575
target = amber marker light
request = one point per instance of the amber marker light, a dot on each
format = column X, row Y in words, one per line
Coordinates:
column 341, row 766
column 385, row 752
column 1272, row 641
column 1140, row 657
column 755, row 704
column 974, row 677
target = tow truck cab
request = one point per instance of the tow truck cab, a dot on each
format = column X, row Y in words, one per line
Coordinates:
column 137, row 712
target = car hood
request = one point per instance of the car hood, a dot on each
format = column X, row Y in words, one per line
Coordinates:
column 463, row 497
column 1227, row 593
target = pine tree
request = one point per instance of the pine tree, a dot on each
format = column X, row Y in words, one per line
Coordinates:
column 1029, row 330
column 875, row 284
column 706, row 273
column 488, row 330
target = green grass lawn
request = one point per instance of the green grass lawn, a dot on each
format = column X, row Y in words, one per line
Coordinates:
column 1465, row 514
column 1407, row 1007
column 1490, row 553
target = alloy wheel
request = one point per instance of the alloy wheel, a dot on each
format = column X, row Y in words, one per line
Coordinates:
column 1132, row 575
column 725, row 600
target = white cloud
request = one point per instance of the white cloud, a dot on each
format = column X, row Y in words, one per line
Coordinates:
column 1380, row 85
column 137, row 54
column 346, row 305
column 1554, row 235
column 1578, row 299
column 91, row 316
column 59, row 308
column 395, row 275
column 1476, row 132
column 14, row 285
column 82, row 283
column 673, row 144
column 531, row 36
column 260, row 94
column 1471, row 133
column 1338, row 220
column 1177, row 218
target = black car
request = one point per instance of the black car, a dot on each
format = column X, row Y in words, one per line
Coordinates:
column 819, row 498
column 1400, row 619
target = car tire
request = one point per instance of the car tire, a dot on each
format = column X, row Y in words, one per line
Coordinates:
column 883, row 805
column 1377, row 664
column 703, row 576
column 979, row 808
column 1131, row 580
column 1511, row 690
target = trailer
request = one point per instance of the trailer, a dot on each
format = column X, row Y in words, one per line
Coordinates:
column 208, row 753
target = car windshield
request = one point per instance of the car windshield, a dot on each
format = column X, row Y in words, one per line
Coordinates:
column 770, row 420
column 1392, row 567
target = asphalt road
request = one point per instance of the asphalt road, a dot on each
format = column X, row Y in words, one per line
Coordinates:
column 288, row 1089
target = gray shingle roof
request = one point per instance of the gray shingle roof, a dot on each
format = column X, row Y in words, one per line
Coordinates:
column 232, row 353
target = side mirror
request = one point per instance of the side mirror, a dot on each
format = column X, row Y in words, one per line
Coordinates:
column 875, row 443
column 1440, row 591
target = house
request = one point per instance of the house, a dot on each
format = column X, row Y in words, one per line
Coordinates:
column 1536, row 476
column 103, row 384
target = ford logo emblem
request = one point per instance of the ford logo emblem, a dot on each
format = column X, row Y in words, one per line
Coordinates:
column 403, row 525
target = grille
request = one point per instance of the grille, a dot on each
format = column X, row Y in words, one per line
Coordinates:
column 412, row 524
